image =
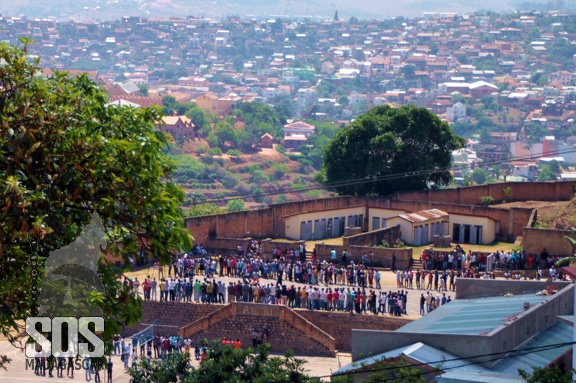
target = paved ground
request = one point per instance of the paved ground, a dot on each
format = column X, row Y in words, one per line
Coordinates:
column 17, row 372
column 316, row 366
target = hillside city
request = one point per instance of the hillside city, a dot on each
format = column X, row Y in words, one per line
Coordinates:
column 252, row 101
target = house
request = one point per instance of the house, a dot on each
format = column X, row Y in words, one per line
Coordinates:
column 419, row 228
column 480, row 89
column 266, row 141
column 180, row 127
column 293, row 141
column 221, row 106
column 299, row 128
column 456, row 112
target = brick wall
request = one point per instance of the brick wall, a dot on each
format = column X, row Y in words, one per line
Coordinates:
column 382, row 256
column 535, row 240
column 374, row 238
column 519, row 191
column 269, row 222
column 170, row 316
column 340, row 325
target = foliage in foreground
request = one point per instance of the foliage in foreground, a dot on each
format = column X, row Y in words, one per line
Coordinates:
column 64, row 155
column 223, row 364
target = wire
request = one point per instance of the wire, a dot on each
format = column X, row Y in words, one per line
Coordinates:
column 493, row 357
column 383, row 178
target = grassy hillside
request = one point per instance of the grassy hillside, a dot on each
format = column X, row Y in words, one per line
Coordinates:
column 263, row 177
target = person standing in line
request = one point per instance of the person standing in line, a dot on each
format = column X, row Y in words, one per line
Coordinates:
column 109, row 369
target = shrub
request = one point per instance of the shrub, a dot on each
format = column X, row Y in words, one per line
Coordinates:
column 215, row 151
column 486, row 200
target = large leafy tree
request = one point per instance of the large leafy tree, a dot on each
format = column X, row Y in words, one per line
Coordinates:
column 387, row 150
column 223, row 364
column 64, row 155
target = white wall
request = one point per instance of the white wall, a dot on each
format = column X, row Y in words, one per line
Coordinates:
column 488, row 226
column 292, row 223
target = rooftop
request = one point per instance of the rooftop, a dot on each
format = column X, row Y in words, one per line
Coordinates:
column 472, row 316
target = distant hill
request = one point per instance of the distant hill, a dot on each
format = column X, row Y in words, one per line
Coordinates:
column 93, row 10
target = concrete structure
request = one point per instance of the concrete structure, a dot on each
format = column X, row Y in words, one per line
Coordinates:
column 472, row 229
column 299, row 128
column 419, row 228
column 456, row 112
column 325, row 224
column 378, row 218
column 266, row 141
column 478, row 328
column 509, row 223
column 180, row 127
column 221, row 106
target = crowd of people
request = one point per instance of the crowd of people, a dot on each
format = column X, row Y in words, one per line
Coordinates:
column 460, row 260
column 336, row 285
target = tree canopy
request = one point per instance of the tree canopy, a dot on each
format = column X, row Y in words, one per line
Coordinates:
column 64, row 155
column 387, row 150
column 223, row 364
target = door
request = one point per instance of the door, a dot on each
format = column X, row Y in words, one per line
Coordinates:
column 416, row 236
column 306, row 230
column 424, row 234
column 375, row 223
column 466, row 234
column 317, row 229
column 336, row 228
column 473, row 233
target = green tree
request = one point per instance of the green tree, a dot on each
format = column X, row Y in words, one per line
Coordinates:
column 223, row 364
column 202, row 209
column 408, row 71
column 235, row 204
column 546, row 375
column 479, row 176
column 169, row 105
column 534, row 132
column 238, row 64
column 225, row 134
column 386, row 371
column 65, row 155
column 282, row 198
column 547, row 174
column 409, row 143
column 144, row 89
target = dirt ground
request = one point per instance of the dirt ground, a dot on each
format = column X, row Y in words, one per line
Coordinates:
column 550, row 215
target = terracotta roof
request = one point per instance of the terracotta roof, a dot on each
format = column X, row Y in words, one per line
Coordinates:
column 424, row 215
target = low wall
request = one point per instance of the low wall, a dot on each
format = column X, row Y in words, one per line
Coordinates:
column 382, row 255
column 535, row 240
column 169, row 317
column 226, row 244
column 476, row 288
column 374, row 238
column 503, row 191
column 340, row 325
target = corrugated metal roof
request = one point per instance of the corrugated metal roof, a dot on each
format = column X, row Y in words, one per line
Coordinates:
column 456, row 376
column 424, row 215
column 559, row 333
column 424, row 354
column 472, row 316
